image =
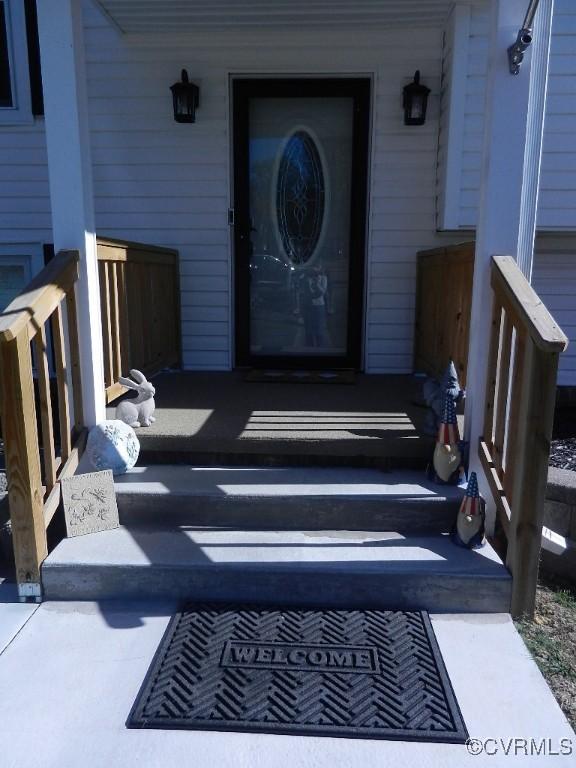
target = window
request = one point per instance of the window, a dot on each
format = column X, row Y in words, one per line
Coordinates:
column 20, row 77
column 19, row 262
column 13, row 278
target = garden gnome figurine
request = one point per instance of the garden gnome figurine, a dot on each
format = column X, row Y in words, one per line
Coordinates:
column 433, row 393
column 470, row 523
column 447, row 460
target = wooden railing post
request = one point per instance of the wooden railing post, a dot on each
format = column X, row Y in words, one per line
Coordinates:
column 535, row 419
column 25, row 493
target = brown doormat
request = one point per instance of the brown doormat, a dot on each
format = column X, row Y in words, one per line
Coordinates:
column 270, row 376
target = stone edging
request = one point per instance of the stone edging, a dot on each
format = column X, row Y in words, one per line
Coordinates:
column 561, row 485
column 558, row 549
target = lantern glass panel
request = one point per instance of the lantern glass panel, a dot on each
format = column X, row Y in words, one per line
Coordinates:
column 185, row 100
column 417, row 107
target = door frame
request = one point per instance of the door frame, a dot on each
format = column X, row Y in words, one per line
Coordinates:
column 360, row 89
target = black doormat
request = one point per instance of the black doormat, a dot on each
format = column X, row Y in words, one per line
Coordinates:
column 361, row 674
column 265, row 376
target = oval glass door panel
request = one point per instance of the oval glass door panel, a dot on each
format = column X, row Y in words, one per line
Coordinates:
column 300, row 197
column 300, row 167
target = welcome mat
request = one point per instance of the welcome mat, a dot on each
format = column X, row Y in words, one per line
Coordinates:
column 361, row 674
column 260, row 376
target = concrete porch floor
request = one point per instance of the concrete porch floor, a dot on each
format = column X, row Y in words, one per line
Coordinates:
column 69, row 674
column 221, row 415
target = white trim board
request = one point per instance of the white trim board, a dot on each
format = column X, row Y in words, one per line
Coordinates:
column 451, row 137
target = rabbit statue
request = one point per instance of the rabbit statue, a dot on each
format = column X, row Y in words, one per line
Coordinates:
column 138, row 412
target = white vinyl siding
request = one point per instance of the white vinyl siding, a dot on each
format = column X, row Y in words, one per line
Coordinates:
column 557, row 202
column 554, row 279
column 170, row 184
column 24, row 196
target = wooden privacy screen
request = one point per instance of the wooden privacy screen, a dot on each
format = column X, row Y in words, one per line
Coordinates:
column 140, row 300
column 443, row 304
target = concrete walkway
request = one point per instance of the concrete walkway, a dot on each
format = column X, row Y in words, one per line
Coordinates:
column 222, row 414
column 70, row 676
column 13, row 615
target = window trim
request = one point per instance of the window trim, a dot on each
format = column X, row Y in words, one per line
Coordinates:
column 33, row 257
column 29, row 254
column 20, row 112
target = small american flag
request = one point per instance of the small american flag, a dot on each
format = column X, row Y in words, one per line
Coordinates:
column 471, row 501
column 448, row 433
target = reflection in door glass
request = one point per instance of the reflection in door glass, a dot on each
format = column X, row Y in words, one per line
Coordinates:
column 300, row 155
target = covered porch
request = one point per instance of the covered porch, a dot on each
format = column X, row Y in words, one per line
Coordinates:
column 293, row 494
column 514, row 342
column 203, row 417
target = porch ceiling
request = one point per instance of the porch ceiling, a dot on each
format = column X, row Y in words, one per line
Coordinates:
column 151, row 16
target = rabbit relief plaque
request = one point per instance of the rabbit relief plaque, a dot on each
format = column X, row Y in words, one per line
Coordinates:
column 89, row 503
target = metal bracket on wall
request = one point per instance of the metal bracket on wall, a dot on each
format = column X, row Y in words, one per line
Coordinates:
column 516, row 51
column 523, row 41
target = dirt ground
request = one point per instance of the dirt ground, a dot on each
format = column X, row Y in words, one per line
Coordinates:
column 551, row 639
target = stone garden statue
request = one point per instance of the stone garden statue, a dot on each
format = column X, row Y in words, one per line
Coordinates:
column 138, row 412
column 112, row 444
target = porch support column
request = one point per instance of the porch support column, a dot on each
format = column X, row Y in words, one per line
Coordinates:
column 510, row 175
column 70, row 173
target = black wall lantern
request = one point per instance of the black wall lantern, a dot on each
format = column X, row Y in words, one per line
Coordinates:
column 186, row 97
column 415, row 101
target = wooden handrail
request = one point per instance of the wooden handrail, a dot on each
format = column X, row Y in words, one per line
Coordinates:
column 35, row 304
column 39, row 454
column 521, row 300
column 42, row 424
column 127, row 250
column 514, row 450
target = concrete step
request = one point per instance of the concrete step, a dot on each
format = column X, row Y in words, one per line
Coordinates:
column 253, row 453
column 286, row 498
column 324, row 568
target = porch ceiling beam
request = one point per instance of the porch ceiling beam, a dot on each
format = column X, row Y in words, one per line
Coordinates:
column 70, row 177
column 514, row 118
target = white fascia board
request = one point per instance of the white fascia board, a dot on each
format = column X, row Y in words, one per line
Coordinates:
column 449, row 202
